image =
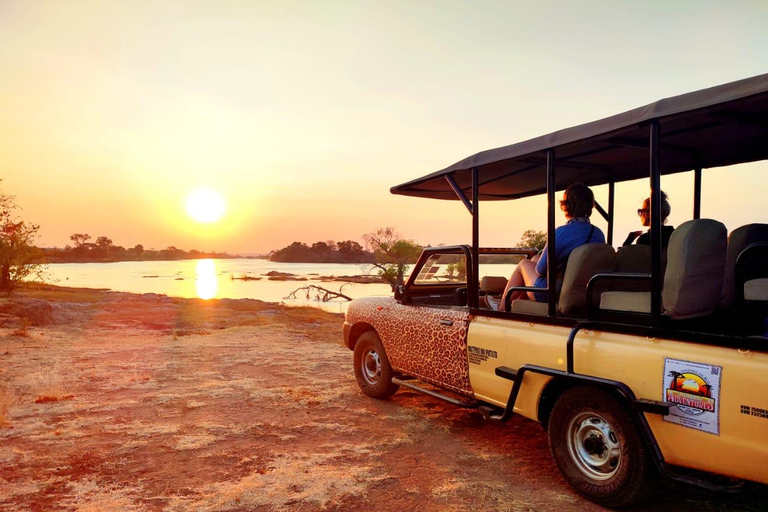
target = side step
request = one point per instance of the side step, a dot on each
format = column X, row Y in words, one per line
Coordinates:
column 410, row 385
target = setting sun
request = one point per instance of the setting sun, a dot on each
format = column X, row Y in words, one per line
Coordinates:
column 205, row 205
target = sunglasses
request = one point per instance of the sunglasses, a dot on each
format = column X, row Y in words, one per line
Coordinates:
column 641, row 211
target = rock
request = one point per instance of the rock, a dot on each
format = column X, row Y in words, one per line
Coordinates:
column 35, row 311
column 275, row 273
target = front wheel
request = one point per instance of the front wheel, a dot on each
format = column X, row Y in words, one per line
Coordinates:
column 372, row 369
column 597, row 447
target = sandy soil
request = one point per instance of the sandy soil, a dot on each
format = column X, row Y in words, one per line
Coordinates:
column 144, row 403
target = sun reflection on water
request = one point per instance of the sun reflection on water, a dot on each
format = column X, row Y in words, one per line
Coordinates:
column 205, row 279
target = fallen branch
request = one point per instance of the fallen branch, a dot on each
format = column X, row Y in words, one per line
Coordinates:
column 323, row 294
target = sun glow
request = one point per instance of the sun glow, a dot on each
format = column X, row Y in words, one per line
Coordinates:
column 205, row 279
column 205, row 205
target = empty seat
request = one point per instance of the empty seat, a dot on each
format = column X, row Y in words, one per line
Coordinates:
column 493, row 285
column 694, row 276
column 583, row 263
column 633, row 259
column 756, row 290
column 738, row 241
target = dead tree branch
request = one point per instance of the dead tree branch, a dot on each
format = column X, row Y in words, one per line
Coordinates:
column 322, row 294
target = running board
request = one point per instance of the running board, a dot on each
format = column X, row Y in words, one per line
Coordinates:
column 403, row 382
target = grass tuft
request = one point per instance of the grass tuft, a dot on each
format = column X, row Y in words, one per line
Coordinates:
column 23, row 330
column 49, row 385
column 8, row 401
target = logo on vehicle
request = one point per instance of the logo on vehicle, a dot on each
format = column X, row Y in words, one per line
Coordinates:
column 690, row 392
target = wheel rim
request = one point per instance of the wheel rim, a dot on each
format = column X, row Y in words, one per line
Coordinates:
column 371, row 367
column 594, row 446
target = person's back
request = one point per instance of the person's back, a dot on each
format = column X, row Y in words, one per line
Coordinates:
column 576, row 232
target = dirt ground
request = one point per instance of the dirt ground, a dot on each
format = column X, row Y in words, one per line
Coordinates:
column 144, row 403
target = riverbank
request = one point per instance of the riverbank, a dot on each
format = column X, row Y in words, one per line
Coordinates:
column 122, row 402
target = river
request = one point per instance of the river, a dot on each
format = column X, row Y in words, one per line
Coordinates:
column 213, row 279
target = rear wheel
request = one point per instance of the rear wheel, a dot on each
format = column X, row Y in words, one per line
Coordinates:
column 372, row 369
column 597, row 447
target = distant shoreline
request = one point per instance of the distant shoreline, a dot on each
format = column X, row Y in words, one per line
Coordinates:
column 54, row 261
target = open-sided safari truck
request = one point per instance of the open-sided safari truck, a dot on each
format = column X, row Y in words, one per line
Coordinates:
column 645, row 360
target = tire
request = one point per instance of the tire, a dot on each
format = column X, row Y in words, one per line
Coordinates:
column 597, row 447
column 372, row 369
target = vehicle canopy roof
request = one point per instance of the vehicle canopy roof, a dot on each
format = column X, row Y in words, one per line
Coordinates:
column 719, row 126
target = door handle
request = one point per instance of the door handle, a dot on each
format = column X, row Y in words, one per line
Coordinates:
column 446, row 322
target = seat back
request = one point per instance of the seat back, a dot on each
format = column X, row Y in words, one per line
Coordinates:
column 493, row 285
column 693, row 281
column 738, row 241
column 634, row 259
column 583, row 263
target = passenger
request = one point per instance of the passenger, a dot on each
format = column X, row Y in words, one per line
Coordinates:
column 577, row 203
column 640, row 238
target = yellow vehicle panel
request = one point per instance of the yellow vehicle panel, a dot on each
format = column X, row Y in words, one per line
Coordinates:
column 739, row 448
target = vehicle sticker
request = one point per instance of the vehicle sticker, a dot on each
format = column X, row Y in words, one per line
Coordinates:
column 694, row 388
column 479, row 355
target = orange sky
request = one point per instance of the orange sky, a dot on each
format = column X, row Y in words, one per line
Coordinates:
column 303, row 114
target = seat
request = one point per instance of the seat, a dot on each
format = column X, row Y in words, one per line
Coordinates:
column 693, row 278
column 632, row 259
column 583, row 263
column 750, row 306
column 739, row 239
column 492, row 285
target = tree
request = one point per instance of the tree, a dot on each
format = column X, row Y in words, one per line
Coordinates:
column 393, row 254
column 80, row 239
column 534, row 239
column 104, row 243
column 18, row 255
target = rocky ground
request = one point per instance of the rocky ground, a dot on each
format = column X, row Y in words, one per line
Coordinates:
column 118, row 402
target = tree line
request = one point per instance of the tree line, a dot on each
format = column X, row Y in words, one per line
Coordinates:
column 104, row 250
column 384, row 250
column 323, row 252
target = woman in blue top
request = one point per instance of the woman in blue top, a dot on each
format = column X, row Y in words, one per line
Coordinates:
column 577, row 203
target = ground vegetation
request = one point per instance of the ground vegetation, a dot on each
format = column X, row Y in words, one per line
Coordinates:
column 393, row 254
column 19, row 258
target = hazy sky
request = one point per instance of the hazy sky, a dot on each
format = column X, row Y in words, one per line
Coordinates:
column 302, row 115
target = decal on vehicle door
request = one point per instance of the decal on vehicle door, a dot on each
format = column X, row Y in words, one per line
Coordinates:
column 694, row 389
column 479, row 355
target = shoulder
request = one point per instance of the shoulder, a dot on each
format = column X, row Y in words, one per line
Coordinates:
column 599, row 234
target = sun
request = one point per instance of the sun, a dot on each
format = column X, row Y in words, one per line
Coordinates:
column 205, row 205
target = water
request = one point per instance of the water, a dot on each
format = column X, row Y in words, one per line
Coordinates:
column 209, row 279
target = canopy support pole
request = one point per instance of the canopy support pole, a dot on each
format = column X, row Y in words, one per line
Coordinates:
column 460, row 193
column 656, row 277
column 551, row 249
column 611, row 205
column 473, row 284
column 697, row 193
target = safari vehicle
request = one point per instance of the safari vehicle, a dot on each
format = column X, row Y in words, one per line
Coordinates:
column 646, row 360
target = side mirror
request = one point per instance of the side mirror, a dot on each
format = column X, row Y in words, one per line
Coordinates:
column 400, row 293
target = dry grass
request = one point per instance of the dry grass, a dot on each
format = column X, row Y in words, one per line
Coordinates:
column 23, row 330
column 287, row 482
column 50, row 384
column 8, row 401
column 53, row 293
column 250, row 407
